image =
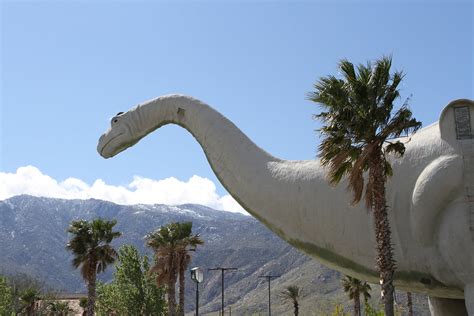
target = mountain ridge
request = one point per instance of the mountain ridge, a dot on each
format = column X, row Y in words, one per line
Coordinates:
column 33, row 237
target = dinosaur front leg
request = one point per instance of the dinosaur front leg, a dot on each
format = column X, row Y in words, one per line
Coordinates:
column 430, row 199
column 447, row 307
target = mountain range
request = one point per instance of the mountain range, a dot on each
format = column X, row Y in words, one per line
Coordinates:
column 33, row 238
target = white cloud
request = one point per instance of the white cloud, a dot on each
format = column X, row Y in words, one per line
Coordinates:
column 30, row 180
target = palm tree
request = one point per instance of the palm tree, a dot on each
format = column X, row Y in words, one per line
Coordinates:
column 164, row 243
column 57, row 308
column 291, row 294
column 90, row 245
column 360, row 131
column 83, row 304
column 410, row 304
column 354, row 288
column 28, row 298
column 170, row 244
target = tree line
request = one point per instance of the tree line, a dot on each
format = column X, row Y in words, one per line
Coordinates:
column 138, row 287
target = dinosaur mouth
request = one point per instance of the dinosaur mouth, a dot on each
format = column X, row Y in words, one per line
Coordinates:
column 104, row 146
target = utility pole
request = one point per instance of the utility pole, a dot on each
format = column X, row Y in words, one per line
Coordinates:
column 269, row 277
column 222, row 283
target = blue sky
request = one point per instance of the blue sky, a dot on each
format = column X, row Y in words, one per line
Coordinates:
column 66, row 68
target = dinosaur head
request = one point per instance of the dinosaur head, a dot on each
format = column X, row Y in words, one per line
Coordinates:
column 126, row 129
column 121, row 135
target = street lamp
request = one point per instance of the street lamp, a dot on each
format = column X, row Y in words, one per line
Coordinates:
column 197, row 276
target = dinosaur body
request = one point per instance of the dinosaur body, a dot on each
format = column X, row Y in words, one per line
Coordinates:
column 430, row 196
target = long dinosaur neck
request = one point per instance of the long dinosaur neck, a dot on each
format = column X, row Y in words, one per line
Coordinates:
column 238, row 163
column 292, row 198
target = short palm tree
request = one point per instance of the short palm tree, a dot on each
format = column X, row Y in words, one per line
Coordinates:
column 291, row 294
column 58, row 308
column 360, row 131
column 410, row 304
column 83, row 305
column 354, row 288
column 171, row 244
column 28, row 298
column 92, row 250
column 164, row 243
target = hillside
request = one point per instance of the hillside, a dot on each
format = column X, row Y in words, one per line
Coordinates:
column 33, row 236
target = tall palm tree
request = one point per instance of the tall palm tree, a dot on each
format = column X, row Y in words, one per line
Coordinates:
column 90, row 245
column 359, row 132
column 291, row 294
column 354, row 288
column 171, row 244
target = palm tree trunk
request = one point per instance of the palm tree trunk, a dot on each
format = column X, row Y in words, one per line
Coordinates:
column 385, row 262
column 91, row 285
column 409, row 304
column 172, row 287
column 29, row 309
column 181, row 290
column 296, row 307
column 357, row 304
column 171, row 297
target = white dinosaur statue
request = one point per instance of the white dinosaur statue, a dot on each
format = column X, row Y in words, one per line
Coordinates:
column 430, row 196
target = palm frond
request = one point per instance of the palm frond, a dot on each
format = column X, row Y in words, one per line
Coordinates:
column 291, row 293
column 353, row 287
column 90, row 245
column 171, row 244
column 357, row 116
